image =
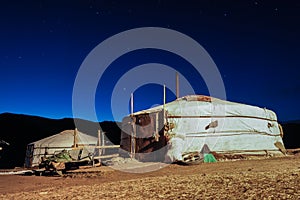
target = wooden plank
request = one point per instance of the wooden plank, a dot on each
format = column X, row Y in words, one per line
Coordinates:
column 107, row 147
column 106, row 156
column 293, row 150
column 53, row 147
column 98, row 147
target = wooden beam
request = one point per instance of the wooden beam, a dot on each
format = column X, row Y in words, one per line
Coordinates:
column 106, row 147
column 106, row 156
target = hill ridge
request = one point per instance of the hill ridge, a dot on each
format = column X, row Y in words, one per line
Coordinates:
column 21, row 129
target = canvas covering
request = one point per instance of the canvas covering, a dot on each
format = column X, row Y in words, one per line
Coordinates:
column 223, row 125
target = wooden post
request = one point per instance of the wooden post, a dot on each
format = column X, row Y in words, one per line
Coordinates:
column 75, row 141
column 156, row 127
column 133, row 132
column 99, row 143
column 99, row 149
column 133, row 138
column 103, row 141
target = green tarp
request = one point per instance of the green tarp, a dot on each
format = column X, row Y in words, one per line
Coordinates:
column 209, row 158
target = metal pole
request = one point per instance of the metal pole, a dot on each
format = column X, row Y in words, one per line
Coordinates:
column 164, row 106
column 131, row 104
column 177, row 85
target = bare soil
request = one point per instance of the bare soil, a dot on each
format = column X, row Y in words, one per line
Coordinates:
column 271, row 178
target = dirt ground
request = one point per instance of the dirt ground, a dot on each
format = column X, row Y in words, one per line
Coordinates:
column 271, row 178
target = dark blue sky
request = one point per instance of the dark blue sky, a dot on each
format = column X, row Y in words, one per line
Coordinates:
column 255, row 45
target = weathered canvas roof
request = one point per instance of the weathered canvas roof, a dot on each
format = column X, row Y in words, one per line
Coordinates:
column 200, row 105
column 65, row 139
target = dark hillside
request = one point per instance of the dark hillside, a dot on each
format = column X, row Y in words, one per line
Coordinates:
column 291, row 136
column 19, row 130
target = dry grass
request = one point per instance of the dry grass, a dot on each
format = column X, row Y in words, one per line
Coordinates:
column 277, row 178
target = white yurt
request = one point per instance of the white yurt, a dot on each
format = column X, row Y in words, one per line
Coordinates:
column 190, row 122
column 65, row 140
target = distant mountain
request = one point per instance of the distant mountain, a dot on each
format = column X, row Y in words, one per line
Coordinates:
column 19, row 130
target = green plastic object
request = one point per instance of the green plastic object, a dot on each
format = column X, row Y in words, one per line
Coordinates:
column 209, row 158
column 62, row 156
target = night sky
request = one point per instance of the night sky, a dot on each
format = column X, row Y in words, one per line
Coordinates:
column 255, row 45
